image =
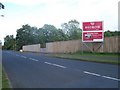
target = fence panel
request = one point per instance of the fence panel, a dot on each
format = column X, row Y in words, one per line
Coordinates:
column 110, row 45
column 32, row 48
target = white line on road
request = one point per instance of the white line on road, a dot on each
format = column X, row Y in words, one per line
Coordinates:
column 92, row 73
column 48, row 63
column 111, row 78
column 55, row 65
column 59, row 65
column 33, row 59
column 86, row 72
column 23, row 57
column 101, row 76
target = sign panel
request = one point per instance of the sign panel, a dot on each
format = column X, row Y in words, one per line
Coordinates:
column 90, row 26
column 92, row 36
column 92, row 31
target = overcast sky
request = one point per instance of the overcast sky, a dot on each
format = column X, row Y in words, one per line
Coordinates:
column 55, row 12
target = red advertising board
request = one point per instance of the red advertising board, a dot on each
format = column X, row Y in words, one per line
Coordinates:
column 92, row 31
column 92, row 36
column 90, row 26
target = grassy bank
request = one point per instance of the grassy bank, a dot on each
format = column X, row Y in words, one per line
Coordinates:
column 5, row 81
column 0, row 76
column 110, row 58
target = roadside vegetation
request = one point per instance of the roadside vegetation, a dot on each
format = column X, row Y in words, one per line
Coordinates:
column 5, row 81
column 27, row 35
column 0, row 76
column 109, row 58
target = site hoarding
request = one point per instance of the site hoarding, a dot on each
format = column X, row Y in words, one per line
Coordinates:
column 92, row 26
column 92, row 31
column 92, row 36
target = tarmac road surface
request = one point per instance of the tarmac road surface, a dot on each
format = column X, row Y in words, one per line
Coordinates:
column 35, row 70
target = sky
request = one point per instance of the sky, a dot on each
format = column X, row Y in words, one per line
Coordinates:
column 55, row 12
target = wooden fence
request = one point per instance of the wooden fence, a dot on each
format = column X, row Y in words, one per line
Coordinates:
column 109, row 45
column 31, row 48
column 0, row 46
column 63, row 46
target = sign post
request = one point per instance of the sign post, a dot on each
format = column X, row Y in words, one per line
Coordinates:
column 92, row 32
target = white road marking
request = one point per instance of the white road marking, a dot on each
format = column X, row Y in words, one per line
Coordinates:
column 86, row 72
column 101, row 76
column 92, row 73
column 23, row 57
column 33, row 59
column 26, row 57
column 59, row 65
column 48, row 63
column 111, row 78
column 55, row 65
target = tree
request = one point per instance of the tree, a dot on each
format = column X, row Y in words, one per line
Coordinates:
column 31, row 35
column 41, row 37
column 111, row 33
column 52, row 34
column 9, row 42
column 61, row 36
column 1, row 6
column 115, row 33
column 25, row 36
column 72, row 30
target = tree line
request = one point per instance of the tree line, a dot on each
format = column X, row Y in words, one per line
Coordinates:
column 27, row 35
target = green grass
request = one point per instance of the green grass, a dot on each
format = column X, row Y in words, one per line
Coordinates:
column 91, row 57
column 97, row 54
column 0, row 76
column 5, row 81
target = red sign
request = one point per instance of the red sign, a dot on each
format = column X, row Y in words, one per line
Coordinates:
column 90, row 26
column 92, row 31
column 92, row 36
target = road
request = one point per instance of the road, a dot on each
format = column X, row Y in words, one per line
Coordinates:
column 35, row 70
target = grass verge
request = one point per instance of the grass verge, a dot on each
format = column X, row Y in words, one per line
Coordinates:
column 0, row 76
column 5, row 81
column 91, row 57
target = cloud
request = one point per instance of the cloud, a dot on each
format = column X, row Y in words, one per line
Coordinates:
column 119, row 16
column 30, row 2
column 55, row 12
column 63, row 10
column 22, row 2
